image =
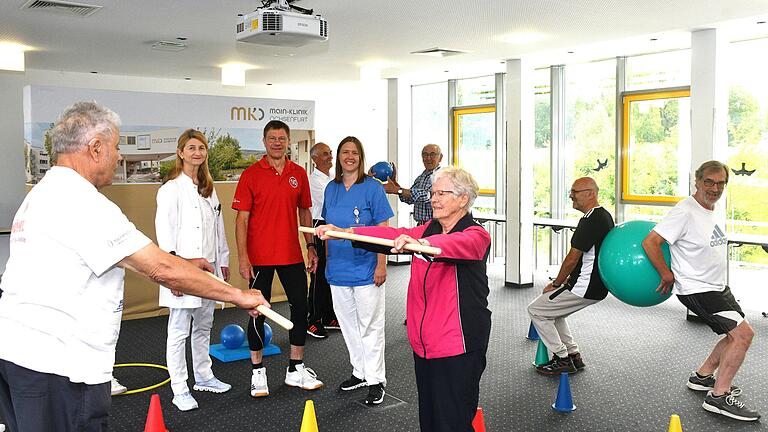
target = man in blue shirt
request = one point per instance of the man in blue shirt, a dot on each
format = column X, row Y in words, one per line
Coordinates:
column 418, row 194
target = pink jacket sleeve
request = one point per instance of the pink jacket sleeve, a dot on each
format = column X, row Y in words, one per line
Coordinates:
column 470, row 244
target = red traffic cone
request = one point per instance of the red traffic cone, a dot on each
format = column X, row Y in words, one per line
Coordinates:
column 155, row 421
column 478, row 423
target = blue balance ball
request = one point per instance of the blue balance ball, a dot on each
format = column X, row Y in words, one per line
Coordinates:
column 232, row 336
column 267, row 334
column 625, row 268
column 382, row 171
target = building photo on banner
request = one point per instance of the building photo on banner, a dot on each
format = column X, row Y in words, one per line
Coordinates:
column 152, row 123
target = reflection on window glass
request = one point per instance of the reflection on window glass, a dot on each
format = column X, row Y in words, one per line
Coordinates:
column 659, row 147
column 429, row 121
column 748, row 147
column 651, row 213
column 590, row 127
column 475, row 145
column 476, row 91
column 542, row 142
column 662, row 70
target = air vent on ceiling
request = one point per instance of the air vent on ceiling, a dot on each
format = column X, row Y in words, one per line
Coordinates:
column 438, row 52
column 169, row 46
column 66, row 7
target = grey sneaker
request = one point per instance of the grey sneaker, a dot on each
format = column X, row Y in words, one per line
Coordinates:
column 577, row 361
column 707, row 383
column 212, row 385
column 729, row 406
column 117, row 388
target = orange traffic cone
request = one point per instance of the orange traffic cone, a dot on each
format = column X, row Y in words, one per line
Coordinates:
column 309, row 422
column 478, row 423
column 155, row 421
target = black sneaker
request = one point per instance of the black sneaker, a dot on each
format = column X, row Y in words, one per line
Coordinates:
column 729, row 406
column 317, row 330
column 333, row 325
column 707, row 383
column 556, row 366
column 375, row 394
column 353, row 383
column 577, row 361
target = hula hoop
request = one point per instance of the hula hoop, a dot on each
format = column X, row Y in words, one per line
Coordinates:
column 143, row 389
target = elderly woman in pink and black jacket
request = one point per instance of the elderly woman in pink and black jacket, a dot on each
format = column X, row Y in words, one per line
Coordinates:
column 448, row 318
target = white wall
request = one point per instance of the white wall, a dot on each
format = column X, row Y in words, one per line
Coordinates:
column 344, row 108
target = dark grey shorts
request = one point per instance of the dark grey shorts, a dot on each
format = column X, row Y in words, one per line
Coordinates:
column 718, row 309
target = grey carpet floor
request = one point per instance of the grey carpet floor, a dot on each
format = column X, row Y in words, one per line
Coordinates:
column 638, row 360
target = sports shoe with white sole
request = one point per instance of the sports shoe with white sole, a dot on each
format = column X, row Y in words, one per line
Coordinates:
column 707, row 383
column 352, row 383
column 185, row 402
column 212, row 385
column 259, row 386
column 729, row 406
column 375, row 394
column 304, row 378
column 117, row 388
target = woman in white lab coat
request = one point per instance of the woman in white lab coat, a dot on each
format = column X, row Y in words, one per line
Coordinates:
column 189, row 224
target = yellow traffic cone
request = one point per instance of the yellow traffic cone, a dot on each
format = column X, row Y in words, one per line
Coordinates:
column 309, row 422
column 674, row 424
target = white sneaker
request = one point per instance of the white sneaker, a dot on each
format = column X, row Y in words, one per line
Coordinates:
column 185, row 402
column 259, row 386
column 118, row 388
column 304, row 377
column 212, row 385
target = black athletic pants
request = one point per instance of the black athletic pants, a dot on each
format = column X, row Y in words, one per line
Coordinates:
column 294, row 280
column 320, row 302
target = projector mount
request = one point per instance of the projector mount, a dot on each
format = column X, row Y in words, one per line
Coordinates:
column 285, row 5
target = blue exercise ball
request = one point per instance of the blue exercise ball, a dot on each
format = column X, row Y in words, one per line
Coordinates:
column 267, row 334
column 382, row 171
column 625, row 268
column 232, row 336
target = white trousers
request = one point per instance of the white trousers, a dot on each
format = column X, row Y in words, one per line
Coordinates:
column 548, row 315
column 360, row 311
column 176, row 344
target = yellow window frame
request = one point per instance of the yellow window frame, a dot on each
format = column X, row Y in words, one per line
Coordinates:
column 458, row 112
column 625, row 150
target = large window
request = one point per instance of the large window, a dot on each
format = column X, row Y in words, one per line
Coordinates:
column 429, row 123
column 474, row 145
column 661, row 70
column 746, row 208
column 476, row 91
column 590, row 137
column 656, row 146
column 542, row 123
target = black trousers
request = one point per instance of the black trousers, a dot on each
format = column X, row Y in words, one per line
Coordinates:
column 294, row 280
column 449, row 390
column 40, row 402
column 320, row 302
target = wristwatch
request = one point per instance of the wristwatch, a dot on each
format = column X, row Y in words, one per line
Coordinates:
column 400, row 191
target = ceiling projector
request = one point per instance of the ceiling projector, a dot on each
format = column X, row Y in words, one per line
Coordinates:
column 280, row 23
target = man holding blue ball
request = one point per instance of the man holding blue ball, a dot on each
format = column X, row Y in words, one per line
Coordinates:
column 699, row 247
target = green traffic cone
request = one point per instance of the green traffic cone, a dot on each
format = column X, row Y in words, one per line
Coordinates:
column 542, row 355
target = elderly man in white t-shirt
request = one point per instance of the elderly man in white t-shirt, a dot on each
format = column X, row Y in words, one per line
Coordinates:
column 698, row 246
column 63, row 285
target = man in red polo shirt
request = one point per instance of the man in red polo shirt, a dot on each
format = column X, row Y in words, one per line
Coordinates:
column 266, row 199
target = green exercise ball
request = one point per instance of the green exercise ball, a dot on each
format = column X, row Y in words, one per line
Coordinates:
column 625, row 268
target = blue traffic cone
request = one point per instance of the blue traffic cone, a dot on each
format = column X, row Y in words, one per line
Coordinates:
column 532, row 333
column 564, row 401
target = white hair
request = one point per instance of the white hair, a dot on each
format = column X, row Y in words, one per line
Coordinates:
column 462, row 181
column 79, row 122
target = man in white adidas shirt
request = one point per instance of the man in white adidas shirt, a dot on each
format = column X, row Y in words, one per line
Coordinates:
column 63, row 285
column 698, row 246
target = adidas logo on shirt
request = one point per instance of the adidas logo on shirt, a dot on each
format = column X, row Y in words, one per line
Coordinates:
column 718, row 237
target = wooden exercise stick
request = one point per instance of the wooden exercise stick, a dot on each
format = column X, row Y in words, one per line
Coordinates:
column 429, row 250
column 267, row 312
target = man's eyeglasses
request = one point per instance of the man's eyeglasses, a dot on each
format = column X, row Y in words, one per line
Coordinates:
column 710, row 183
column 430, row 155
column 281, row 140
column 575, row 191
column 440, row 193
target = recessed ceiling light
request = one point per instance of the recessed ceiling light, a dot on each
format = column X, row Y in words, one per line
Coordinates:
column 761, row 22
column 170, row 46
column 12, row 57
column 654, row 39
column 188, row 78
column 94, row 72
column 181, row 38
column 445, row 71
column 570, row 52
column 269, row 83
